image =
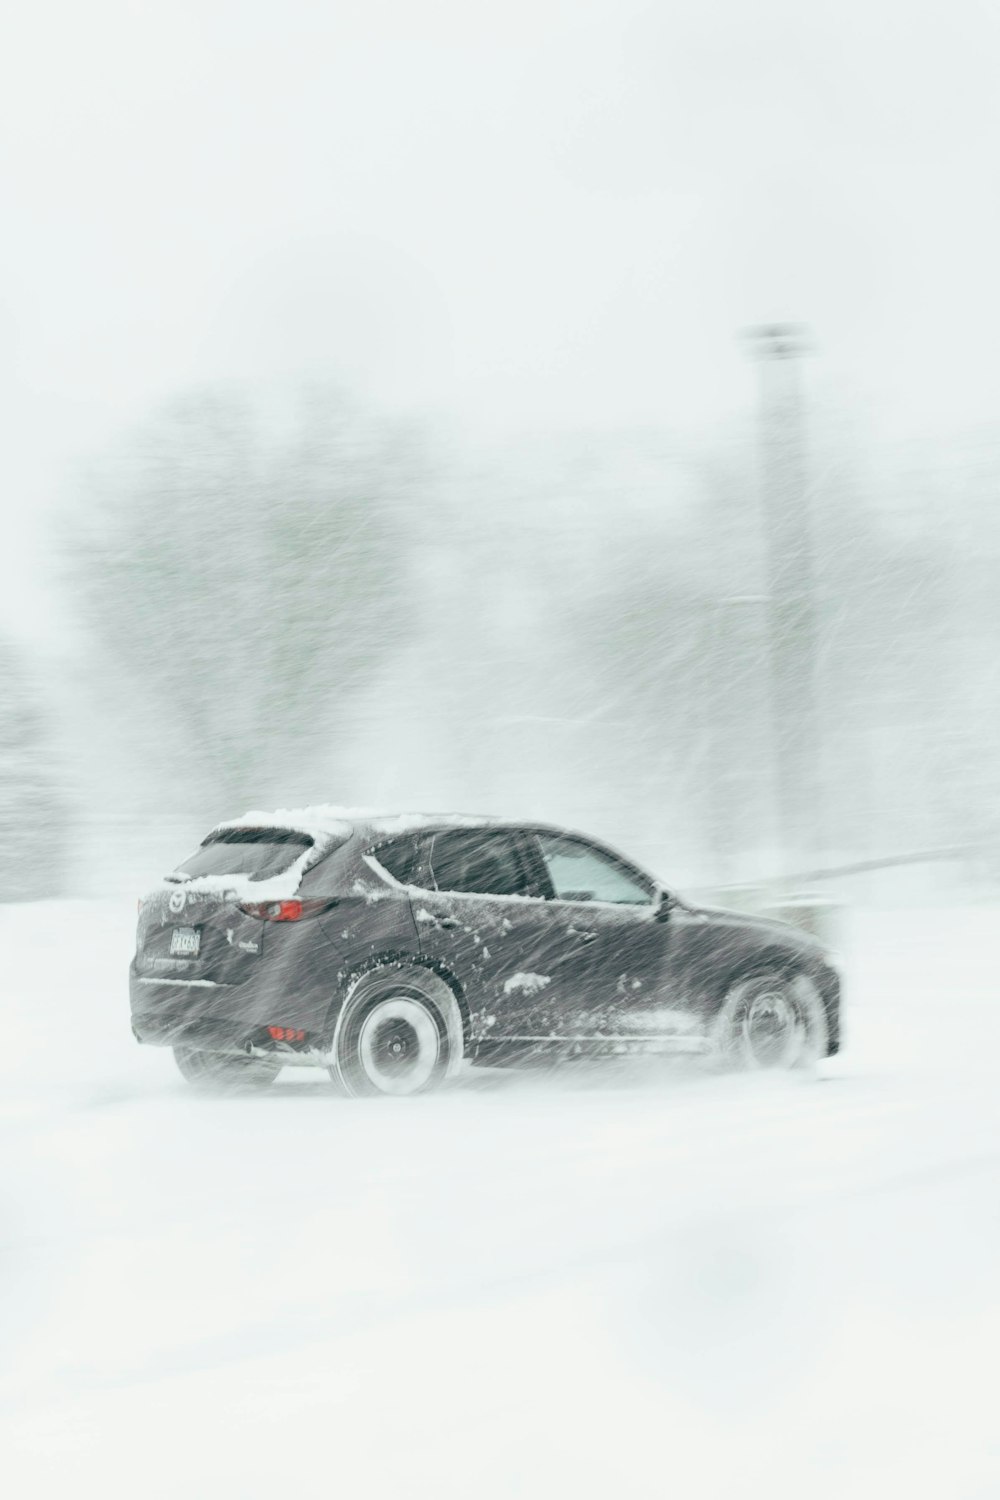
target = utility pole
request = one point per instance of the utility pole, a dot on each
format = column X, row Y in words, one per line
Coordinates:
column 738, row 820
column 792, row 612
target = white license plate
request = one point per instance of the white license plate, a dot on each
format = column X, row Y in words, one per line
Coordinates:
column 185, row 941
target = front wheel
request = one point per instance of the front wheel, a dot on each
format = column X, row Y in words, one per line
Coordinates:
column 771, row 1020
column 221, row 1072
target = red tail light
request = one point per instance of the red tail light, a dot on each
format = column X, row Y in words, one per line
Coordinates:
column 286, row 1034
column 284, row 911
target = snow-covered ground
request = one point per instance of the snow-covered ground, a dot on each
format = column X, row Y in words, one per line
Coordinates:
column 596, row 1284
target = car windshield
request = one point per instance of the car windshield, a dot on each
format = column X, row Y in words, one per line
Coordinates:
column 256, row 852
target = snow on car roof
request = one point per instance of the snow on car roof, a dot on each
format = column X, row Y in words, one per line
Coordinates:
column 325, row 822
column 322, row 823
column 326, row 826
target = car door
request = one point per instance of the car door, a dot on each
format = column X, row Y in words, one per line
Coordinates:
column 481, row 914
column 614, row 937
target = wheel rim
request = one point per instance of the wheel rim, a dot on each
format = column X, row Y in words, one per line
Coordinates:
column 399, row 1046
column 771, row 1030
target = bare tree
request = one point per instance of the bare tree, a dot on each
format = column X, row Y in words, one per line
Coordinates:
column 245, row 576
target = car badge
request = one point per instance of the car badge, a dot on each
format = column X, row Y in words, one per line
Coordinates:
column 176, row 902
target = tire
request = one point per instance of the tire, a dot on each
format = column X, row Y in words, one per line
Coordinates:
column 218, row 1072
column 399, row 1033
column 771, row 1020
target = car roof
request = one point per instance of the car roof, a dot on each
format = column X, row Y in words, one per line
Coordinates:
column 324, row 822
column 386, row 825
column 391, row 826
column 328, row 825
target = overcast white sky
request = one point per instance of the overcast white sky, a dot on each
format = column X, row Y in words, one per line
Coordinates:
column 505, row 213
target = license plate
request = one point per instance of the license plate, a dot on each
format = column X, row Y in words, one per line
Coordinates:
column 185, row 942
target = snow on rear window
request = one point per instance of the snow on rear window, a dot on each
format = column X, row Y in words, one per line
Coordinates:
column 258, row 853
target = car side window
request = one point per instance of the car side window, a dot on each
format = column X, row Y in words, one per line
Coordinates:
column 405, row 859
column 579, row 872
column 477, row 861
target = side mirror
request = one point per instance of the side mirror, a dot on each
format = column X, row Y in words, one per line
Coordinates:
column 665, row 905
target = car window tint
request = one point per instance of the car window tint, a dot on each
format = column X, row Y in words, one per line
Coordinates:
column 400, row 859
column 477, row 861
column 579, row 872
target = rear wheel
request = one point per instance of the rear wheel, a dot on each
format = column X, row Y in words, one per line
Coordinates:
column 219, row 1071
column 771, row 1020
column 399, row 1033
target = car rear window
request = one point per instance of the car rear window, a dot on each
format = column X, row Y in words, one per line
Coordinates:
column 256, row 852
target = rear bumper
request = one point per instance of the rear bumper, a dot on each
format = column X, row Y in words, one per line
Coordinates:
column 225, row 1018
column 167, row 1012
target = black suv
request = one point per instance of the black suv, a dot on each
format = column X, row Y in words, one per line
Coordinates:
column 388, row 949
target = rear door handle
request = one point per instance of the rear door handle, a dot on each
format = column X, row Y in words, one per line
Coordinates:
column 448, row 922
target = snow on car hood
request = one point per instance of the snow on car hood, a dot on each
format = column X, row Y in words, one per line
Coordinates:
column 754, row 921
